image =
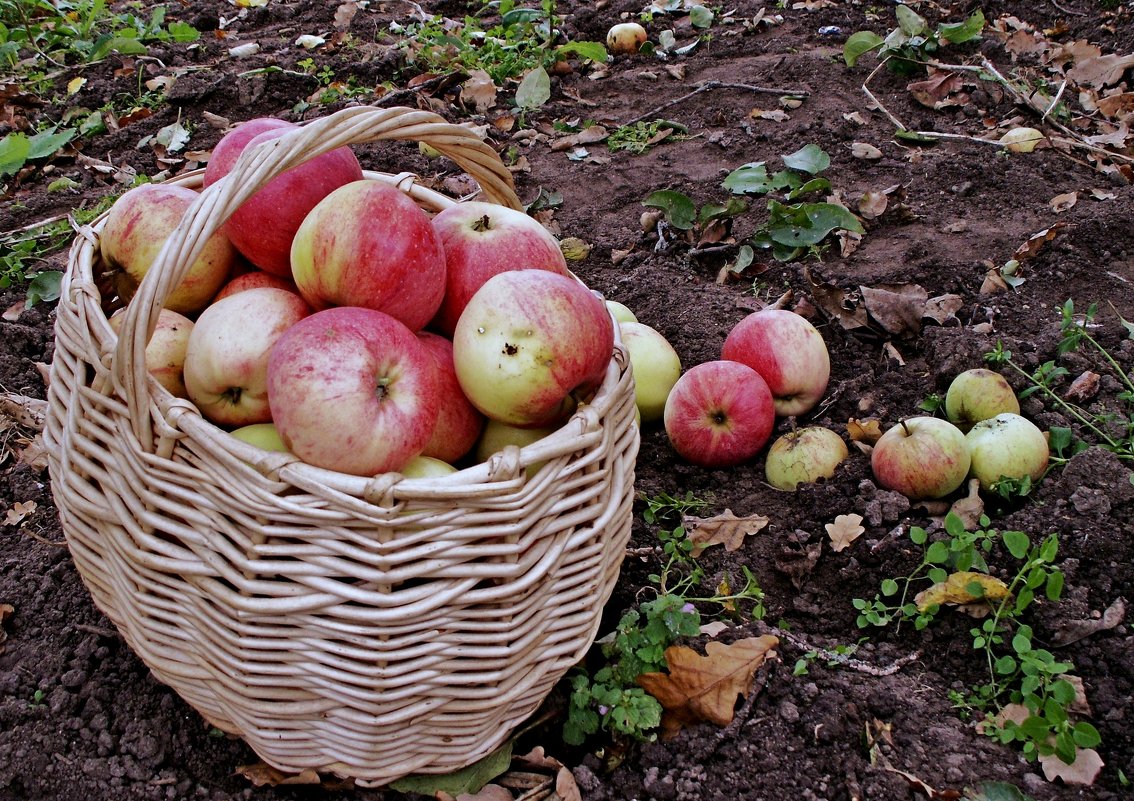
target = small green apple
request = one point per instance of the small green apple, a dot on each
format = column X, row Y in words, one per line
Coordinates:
column 427, row 467
column 1007, row 446
column 804, row 456
column 620, row 312
column 976, row 395
column 656, row 368
column 262, row 435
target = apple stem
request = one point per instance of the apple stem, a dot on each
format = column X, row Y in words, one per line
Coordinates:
column 483, row 224
column 905, row 427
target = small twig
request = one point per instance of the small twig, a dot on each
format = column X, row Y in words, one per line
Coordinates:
column 96, row 630
column 400, row 93
column 845, row 659
column 11, row 235
column 878, row 103
column 708, row 85
column 1055, row 101
column 1068, row 11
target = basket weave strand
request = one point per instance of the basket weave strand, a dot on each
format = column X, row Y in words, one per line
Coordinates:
column 366, row 626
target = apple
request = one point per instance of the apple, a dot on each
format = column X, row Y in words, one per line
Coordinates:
column 788, row 353
column 353, row 390
column 427, row 467
column 458, row 422
column 1007, row 446
column 482, row 240
column 165, row 352
column 263, row 227
column 921, row 457
column 656, row 368
column 252, row 280
column 497, row 436
column 263, row 435
column 804, row 456
column 530, row 344
column 226, row 364
column 620, row 312
column 625, row 38
column 719, row 414
column 368, row 244
column 976, row 395
column 136, row 228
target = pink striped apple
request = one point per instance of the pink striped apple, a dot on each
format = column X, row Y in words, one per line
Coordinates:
column 353, row 390
column 719, row 414
column 368, row 244
column 530, row 344
column 458, row 422
column 788, row 353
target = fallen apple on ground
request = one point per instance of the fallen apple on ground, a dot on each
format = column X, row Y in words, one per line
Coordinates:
column 804, row 456
column 719, row 414
column 788, row 353
column 1007, row 446
column 656, row 368
column 976, row 395
column 921, row 457
column 621, row 312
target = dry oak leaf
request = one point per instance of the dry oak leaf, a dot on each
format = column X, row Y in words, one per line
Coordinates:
column 724, row 529
column 868, row 431
column 961, row 589
column 705, row 688
column 898, row 308
column 1084, row 770
column 479, row 91
column 18, row 512
column 845, row 530
column 1100, row 71
column 262, row 774
column 971, row 507
column 1063, row 202
column 1036, row 242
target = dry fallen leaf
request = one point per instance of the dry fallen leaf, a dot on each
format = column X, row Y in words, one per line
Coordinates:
column 724, row 529
column 261, row 774
column 863, row 150
column 1070, row 631
column 971, row 507
column 898, row 308
column 1083, row 771
column 935, row 92
column 962, row 588
column 705, row 688
column 13, row 312
column 714, row 628
column 868, row 431
column 566, row 787
column 798, row 563
column 18, row 511
column 1063, row 202
column 490, row 792
column 587, row 136
column 1084, row 387
column 479, row 91
column 872, row 204
column 836, row 303
column 1100, row 71
column 775, row 114
column 845, row 530
column 1036, row 242
column 6, row 611
column 943, row 308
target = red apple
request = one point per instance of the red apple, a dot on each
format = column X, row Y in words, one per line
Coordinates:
column 458, row 422
column 530, row 344
column 165, row 352
column 353, row 390
column 263, row 227
column 226, row 364
column 135, row 230
column 367, row 244
column 482, row 240
column 789, row 354
column 253, row 280
column 921, row 457
column 719, row 414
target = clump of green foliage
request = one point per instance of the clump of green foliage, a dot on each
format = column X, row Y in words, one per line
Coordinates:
column 907, row 47
column 1019, row 672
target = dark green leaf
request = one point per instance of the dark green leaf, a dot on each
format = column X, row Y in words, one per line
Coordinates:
column 519, row 16
column 937, row 554
column 124, row 45
column 700, row 17
column 1006, row 665
column 714, row 211
column 1054, row 588
column 889, row 587
column 1063, row 692
column 1049, row 549
column 45, row 143
column 814, row 185
column 810, row 159
column 1017, row 543
column 959, row 32
column 44, row 287
column 1021, row 643
column 859, row 43
column 1086, row 735
column 910, row 22
column 918, row 535
column 678, row 208
column 183, row 32
column 465, row 780
column 914, row 136
column 996, row 791
column 14, row 150
column 750, row 178
column 937, row 575
column 820, row 220
column 593, row 51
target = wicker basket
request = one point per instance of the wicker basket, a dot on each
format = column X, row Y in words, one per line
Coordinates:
column 366, row 627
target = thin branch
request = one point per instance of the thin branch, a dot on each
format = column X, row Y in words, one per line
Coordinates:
column 1055, row 101
column 878, row 103
column 845, row 659
column 413, row 90
column 708, row 85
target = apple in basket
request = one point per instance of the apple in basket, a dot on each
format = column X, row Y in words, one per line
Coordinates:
column 263, row 227
column 482, row 240
column 458, row 422
column 135, row 230
column 226, row 363
column 719, row 414
column 368, row 244
column 165, row 352
column 788, row 353
column 530, row 345
column 252, row 280
column 353, row 390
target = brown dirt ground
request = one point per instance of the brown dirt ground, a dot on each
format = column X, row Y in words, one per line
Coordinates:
column 106, row 730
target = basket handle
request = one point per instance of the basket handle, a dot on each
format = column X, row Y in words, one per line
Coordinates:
column 255, row 167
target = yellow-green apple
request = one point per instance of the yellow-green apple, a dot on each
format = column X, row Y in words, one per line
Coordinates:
column 976, row 395
column 719, row 414
column 353, row 390
column 656, row 367
column 788, row 353
column 921, row 457
column 135, row 230
column 226, row 364
column 252, row 280
column 367, row 244
column 497, row 436
column 625, row 38
column 621, row 312
column 530, row 344
column 165, row 352
column 263, row 435
column 1007, row 446
column 482, row 240
column 263, row 227
column 427, row 467
column 458, row 422
column 804, row 456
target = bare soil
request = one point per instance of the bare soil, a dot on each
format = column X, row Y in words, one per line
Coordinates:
column 80, row 716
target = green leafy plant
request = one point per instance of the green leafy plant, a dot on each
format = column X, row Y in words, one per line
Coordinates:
column 641, row 136
column 913, row 42
column 681, row 213
column 24, row 252
column 1018, row 672
column 1113, row 429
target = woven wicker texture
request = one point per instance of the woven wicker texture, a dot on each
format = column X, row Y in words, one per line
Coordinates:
column 368, row 627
